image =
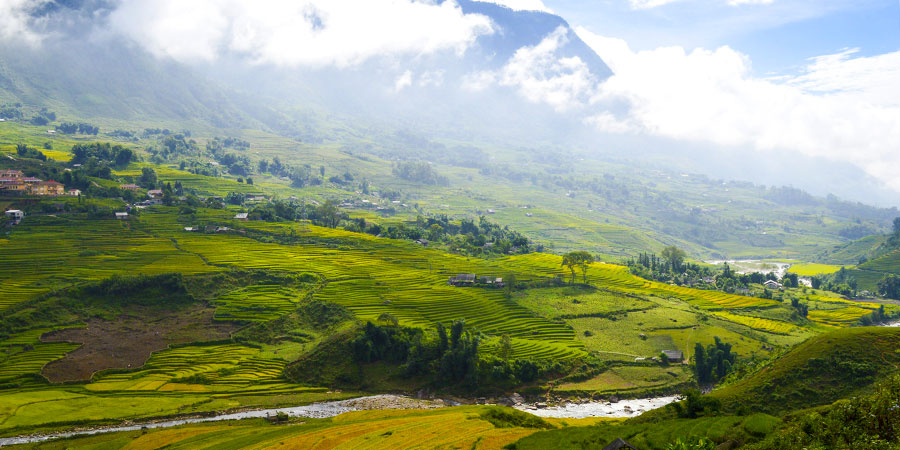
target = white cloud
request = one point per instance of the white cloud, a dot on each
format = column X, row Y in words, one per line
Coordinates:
column 290, row 32
column 15, row 21
column 541, row 76
column 522, row 5
column 403, row 81
column 841, row 108
column 648, row 4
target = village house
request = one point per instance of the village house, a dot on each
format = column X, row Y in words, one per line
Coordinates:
column 470, row 279
column 121, row 215
column 9, row 173
column 241, row 216
column 73, row 192
column 129, row 187
column 462, row 279
column 51, row 188
column 13, row 185
column 15, row 215
column 155, row 193
column 619, row 444
column 673, row 355
column 772, row 284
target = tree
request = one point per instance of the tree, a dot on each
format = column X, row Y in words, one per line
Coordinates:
column 328, row 214
column 579, row 259
column 148, row 178
column 889, row 287
column 505, row 347
column 897, row 225
column 510, row 284
column 675, row 256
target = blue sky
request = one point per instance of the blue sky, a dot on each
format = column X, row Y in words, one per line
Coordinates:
column 778, row 36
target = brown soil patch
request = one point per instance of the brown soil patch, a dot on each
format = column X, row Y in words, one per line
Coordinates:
column 129, row 340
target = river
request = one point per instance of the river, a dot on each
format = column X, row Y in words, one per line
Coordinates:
column 624, row 408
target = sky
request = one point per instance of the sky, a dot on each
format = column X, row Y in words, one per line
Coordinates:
column 817, row 78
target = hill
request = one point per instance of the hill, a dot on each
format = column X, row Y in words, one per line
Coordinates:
column 820, row 371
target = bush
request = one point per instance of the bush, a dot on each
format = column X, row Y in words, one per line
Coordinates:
column 513, row 418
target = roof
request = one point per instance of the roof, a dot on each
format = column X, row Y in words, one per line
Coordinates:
column 13, row 211
column 50, row 183
column 617, row 444
column 673, row 354
column 121, row 214
column 155, row 192
column 241, row 215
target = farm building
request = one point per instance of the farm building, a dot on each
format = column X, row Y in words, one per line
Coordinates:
column 462, row 279
column 470, row 279
column 673, row 355
column 155, row 193
column 9, row 173
column 619, row 444
column 771, row 284
column 129, row 187
column 47, row 188
column 241, row 216
column 121, row 215
column 15, row 215
column 73, row 192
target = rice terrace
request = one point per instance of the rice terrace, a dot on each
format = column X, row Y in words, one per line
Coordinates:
column 455, row 224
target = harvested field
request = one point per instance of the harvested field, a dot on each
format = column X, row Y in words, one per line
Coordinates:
column 129, row 340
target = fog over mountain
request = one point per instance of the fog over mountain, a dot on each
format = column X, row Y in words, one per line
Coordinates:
column 465, row 70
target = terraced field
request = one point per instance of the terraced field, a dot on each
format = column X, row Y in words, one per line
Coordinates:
column 196, row 368
column 811, row 269
column 257, row 303
column 613, row 277
column 82, row 249
column 30, row 362
column 841, row 317
column 758, row 323
column 889, row 263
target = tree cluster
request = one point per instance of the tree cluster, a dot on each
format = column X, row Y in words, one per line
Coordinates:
column 104, row 153
column 451, row 357
column 712, row 363
column 465, row 237
column 420, row 172
column 24, row 151
column 77, row 128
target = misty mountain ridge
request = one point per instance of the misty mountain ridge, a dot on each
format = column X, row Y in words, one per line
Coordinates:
column 119, row 81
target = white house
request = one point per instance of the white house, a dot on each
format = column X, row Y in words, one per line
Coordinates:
column 771, row 284
column 16, row 215
column 121, row 215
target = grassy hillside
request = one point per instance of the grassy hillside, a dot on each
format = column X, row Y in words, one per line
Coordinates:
column 817, row 372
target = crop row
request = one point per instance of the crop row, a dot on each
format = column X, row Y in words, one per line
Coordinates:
column 838, row 317
column 257, row 303
column 228, row 364
column 758, row 323
column 32, row 361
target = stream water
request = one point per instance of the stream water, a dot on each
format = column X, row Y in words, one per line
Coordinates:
column 623, row 408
